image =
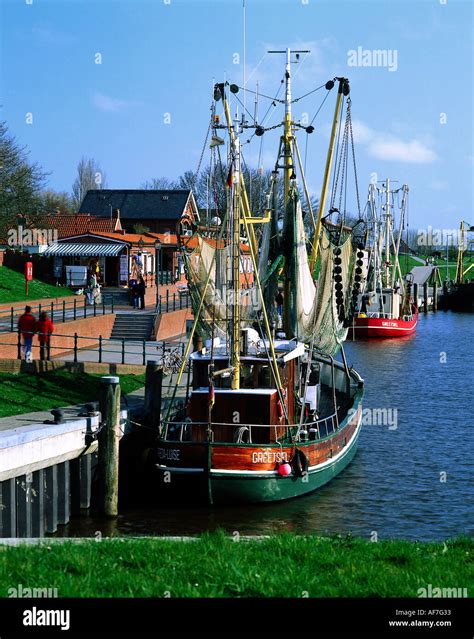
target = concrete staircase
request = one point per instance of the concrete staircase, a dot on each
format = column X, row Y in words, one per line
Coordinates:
column 119, row 295
column 133, row 325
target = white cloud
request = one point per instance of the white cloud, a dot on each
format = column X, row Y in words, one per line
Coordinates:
column 412, row 152
column 112, row 105
column 385, row 146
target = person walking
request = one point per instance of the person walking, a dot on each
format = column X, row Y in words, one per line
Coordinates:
column 141, row 288
column 26, row 327
column 44, row 328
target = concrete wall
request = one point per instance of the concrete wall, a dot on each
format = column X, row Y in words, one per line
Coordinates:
column 90, row 328
column 172, row 324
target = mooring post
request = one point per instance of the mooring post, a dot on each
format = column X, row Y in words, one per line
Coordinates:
column 109, row 438
column 64, row 493
column 435, row 295
column 7, row 508
column 37, row 504
column 415, row 294
column 153, row 391
column 425, row 297
column 51, row 498
column 23, row 505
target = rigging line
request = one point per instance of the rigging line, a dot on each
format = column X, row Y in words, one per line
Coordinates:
column 320, row 107
column 261, row 60
column 244, row 16
column 261, row 95
column 349, row 102
column 335, row 176
column 245, row 108
column 309, row 92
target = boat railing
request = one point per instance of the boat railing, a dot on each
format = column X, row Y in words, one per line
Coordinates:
column 389, row 316
column 315, row 430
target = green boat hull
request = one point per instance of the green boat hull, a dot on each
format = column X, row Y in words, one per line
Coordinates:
column 233, row 489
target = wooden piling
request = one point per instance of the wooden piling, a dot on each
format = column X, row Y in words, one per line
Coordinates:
column 37, row 504
column 435, row 295
column 7, row 508
column 153, row 391
column 415, row 294
column 51, row 498
column 109, row 437
column 86, row 480
column 425, row 297
column 64, row 493
column 23, row 504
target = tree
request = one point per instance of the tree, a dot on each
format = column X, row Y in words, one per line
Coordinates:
column 161, row 183
column 89, row 178
column 20, row 180
column 50, row 201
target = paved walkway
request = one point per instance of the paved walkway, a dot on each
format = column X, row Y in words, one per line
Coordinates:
column 134, row 402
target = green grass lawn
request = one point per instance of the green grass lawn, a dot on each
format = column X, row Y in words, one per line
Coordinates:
column 12, row 288
column 25, row 393
column 214, row 565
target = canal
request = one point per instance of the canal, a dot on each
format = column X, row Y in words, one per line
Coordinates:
column 412, row 475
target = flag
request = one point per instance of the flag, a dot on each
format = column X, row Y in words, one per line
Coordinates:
column 230, row 176
column 211, row 394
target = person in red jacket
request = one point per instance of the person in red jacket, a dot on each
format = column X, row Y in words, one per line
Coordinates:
column 26, row 327
column 44, row 328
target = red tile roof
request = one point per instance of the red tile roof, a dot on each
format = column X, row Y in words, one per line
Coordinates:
column 69, row 225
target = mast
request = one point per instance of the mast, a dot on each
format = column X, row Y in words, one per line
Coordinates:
column 287, row 136
column 387, row 231
column 235, row 355
column 342, row 91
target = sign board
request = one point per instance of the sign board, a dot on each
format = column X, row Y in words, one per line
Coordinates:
column 28, row 271
column 124, row 268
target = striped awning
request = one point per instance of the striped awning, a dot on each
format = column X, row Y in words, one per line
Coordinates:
column 64, row 249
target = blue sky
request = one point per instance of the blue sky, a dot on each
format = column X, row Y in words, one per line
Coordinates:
column 161, row 57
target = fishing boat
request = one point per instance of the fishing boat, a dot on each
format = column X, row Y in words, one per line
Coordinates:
column 386, row 308
column 261, row 409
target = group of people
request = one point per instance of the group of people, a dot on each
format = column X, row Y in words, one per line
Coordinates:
column 28, row 325
column 137, row 289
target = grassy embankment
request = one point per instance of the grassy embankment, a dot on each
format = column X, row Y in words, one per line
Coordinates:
column 214, row 565
column 24, row 393
column 12, row 288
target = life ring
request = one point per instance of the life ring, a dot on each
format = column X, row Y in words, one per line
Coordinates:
column 299, row 463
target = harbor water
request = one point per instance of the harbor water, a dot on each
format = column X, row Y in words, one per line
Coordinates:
column 411, row 476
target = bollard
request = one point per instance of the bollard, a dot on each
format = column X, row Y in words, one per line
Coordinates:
column 100, row 349
column 425, row 297
column 75, row 347
column 75, row 308
column 12, row 325
column 85, row 307
column 64, row 311
column 19, row 346
column 109, row 438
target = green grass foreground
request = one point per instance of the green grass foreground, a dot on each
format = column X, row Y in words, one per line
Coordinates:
column 12, row 288
column 26, row 393
column 214, row 565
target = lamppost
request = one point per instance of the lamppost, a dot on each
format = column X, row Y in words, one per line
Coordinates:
column 157, row 269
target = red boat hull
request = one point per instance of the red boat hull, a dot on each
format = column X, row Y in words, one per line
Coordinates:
column 366, row 327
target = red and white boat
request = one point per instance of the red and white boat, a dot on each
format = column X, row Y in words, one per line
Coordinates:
column 385, row 306
column 385, row 325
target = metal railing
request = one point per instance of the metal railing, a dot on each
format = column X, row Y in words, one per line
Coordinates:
column 63, row 311
column 73, row 309
column 315, row 430
column 137, row 350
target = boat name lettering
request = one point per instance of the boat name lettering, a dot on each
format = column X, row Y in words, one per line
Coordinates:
column 268, row 457
column 389, row 323
column 168, row 453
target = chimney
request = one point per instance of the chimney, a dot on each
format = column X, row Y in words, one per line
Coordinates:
column 117, row 225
